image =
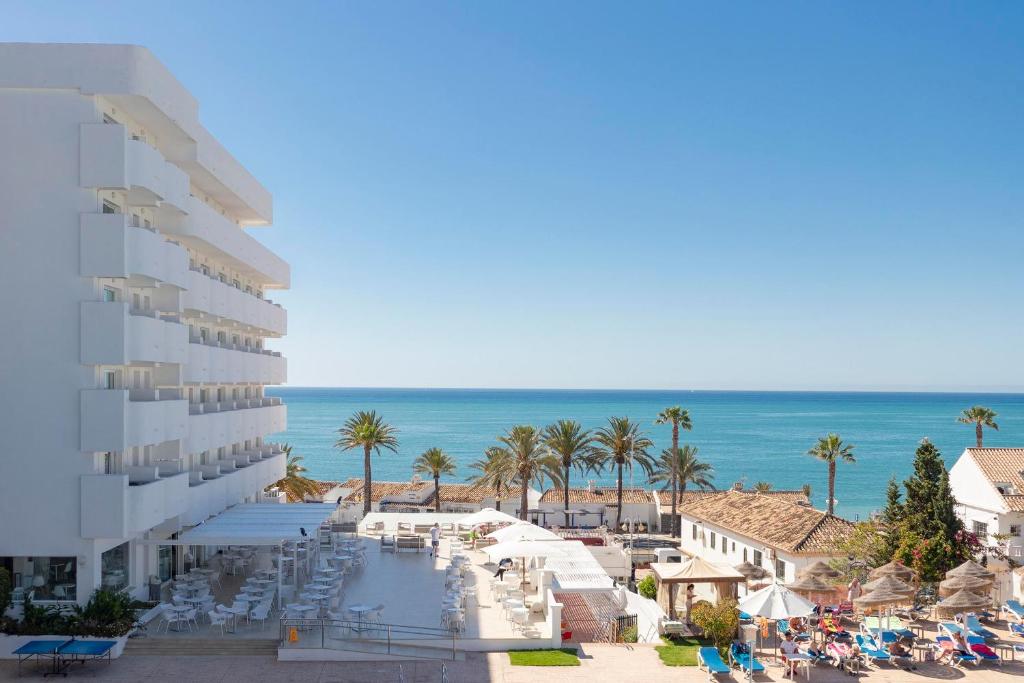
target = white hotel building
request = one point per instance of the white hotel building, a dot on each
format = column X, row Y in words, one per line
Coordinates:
column 134, row 355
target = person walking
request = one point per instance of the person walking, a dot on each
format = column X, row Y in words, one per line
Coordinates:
column 854, row 590
column 435, row 539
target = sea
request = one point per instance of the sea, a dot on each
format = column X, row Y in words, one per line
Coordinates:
column 747, row 436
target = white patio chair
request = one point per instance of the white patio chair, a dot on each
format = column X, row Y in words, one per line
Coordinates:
column 217, row 619
column 376, row 615
column 166, row 619
column 260, row 614
column 191, row 617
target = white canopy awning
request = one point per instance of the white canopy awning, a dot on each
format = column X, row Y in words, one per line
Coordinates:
column 256, row 524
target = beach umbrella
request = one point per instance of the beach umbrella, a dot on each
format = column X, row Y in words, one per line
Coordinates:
column 487, row 516
column 524, row 548
column 894, row 568
column 751, row 571
column 821, row 570
column 962, row 601
column 775, row 602
column 970, row 568
column 523, row 530
column 958, row 582
column 891, row 584
column 809, row 583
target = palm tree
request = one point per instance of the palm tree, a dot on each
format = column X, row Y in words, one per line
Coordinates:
column 621, row 444
column 572, row 445
column 979, row 416
column 762, row 487
column 806, row 489
column 294, row 485
column 678, row 417
column 367, row 430
column 682, row 470
column 831, row 449
column 434, row 462
column 530, row 460
column 496, row 471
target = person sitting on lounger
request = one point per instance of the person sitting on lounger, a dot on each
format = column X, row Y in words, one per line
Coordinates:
column 958, row 646
column 899, row 650
column 797, row 626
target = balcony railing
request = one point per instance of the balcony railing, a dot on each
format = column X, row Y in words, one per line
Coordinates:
column 208, row 294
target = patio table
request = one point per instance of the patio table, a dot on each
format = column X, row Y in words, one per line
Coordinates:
column 359, row 610
column 179, row 612
column 234, row 613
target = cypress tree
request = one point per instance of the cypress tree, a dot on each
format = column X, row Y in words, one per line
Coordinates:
column 929, row 509
column 891, row 518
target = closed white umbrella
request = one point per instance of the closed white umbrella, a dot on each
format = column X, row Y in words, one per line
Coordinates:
column 523, row 530
column 488, row 516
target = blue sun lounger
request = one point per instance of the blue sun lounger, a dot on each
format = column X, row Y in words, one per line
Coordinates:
column 782, row 626
column 1015, row 608
column 870, row 651
column 973, row 624
column 945, row 643
column 62, row 653
column 986, row 654
column 739, row 656
column 710, row 661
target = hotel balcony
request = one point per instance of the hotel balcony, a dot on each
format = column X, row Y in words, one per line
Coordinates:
column 109, row 159
column 123, row 505
column 208, row 296
column 218, row 486
column 117, row 419
column 212, row 425
column 112, row 334
column 111, row 247
column 214, row 363
column 228, row 242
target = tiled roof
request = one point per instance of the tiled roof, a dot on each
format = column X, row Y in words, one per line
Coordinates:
column 604, row 494
column 772, row 520
column 380, row 489
column 1003, row 466
column 463, row 493
column 323, row 487
column 665, row 497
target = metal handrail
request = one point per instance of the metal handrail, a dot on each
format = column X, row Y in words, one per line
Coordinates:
column 356, row 625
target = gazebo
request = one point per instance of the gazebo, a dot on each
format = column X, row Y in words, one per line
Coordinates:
column 670, row 575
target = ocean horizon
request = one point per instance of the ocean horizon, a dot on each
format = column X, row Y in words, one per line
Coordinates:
column 747, row 436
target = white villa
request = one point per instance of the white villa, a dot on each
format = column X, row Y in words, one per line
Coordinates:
column 136, row 351
column 769, row 531
column 988, row 484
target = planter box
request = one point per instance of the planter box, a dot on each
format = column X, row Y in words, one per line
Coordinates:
column 8, row 644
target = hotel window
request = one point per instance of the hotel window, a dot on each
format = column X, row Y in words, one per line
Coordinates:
column 695, row 532
column 780, row 569
column 110, row 379
column 734, row 548
column 1015, row 529
column 236, row 284
column 135, row 220
column 146, row 223
column 45, row 578
column 222, row 277
column 107, row 118
column 110, row 207
column 221, row 336
column 744, row 554
column 205, row 270
column 713, row 539
column 757, row 558
column 204, row 334
column 259, row 294
column 980, row 529
column 248, row 289
column 234, row 339
column 114, row 567
column 109, row 294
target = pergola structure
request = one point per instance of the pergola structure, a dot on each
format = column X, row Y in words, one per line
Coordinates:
column 670, row 575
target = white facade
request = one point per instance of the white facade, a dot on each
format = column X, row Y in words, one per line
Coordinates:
column 990, row 508
column 135, row 356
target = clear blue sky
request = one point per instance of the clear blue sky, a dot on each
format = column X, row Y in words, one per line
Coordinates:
column 763, row 195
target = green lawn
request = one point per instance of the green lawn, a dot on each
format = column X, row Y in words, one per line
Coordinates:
column 680, row 651
column 563, row 657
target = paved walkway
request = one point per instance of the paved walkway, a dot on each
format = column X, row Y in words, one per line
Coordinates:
column 615, row 664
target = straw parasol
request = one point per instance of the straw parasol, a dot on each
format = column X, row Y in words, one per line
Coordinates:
column 962, row 601
column 809, row 583
column 821, row 570
column 891, row 584
column 751, row 571
column 958, row 582
column 970, row 568
column 894, row 568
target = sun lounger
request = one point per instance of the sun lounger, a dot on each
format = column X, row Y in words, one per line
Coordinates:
column 982, row 651
column 887, row 629
column 1016, row 629
column 1014, row 609
column 945, row 644
column 782, row 625
column 949, row 628
column 710, row 661
column 974, row 625
column 870, row 651
column 740, row 657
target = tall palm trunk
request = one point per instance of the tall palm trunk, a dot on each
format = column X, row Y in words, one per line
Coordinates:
column 437, row 493
column 367, row 483
column 497, row 497
column 618, row 499
column 831, row 485
column 523, row 502
column 675, row 474
column 977, row 433
column 565, row 494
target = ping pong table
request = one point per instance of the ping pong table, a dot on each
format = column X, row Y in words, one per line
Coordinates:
column 63, row 653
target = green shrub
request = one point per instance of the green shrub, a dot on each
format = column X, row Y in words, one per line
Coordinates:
column 647, row 588
column 5, row 591
column 108, row 614
column 720, row 622
column 630, row 635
